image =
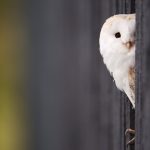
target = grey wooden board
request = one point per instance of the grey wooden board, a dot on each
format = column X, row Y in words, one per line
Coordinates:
column 74, row 102
column 143, row 72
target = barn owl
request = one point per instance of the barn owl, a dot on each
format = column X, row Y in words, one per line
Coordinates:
column 117, row 47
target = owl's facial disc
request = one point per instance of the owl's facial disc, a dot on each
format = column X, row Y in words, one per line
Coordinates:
column 117, row 36
column 129, row 44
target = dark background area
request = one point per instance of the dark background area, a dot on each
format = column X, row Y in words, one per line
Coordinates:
column 76, row 103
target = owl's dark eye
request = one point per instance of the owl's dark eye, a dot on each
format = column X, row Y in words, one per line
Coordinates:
column 117, row 35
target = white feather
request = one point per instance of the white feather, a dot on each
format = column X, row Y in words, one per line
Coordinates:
column 117, row 57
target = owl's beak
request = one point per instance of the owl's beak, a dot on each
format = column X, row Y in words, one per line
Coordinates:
column 129, row 44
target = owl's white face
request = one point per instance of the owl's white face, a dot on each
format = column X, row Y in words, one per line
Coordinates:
column 117, row 41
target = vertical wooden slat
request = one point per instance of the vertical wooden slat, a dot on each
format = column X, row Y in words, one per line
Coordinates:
column 76, row 105
column 142, row 142
column 127, row 113
column 130, row 112
column 75, row 102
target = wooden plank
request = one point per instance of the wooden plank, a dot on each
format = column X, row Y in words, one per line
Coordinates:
column 76, row 105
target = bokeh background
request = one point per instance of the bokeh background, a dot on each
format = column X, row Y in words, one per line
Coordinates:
column 13, row 46
column 55, row 92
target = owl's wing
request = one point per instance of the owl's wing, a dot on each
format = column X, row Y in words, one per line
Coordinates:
column 131, row 78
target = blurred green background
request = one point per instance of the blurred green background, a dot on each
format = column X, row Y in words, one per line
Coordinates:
column 13, row 112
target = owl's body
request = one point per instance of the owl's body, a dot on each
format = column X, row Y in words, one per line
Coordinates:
column 117, row 47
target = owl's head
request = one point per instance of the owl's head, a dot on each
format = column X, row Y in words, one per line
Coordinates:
column 117, row 38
